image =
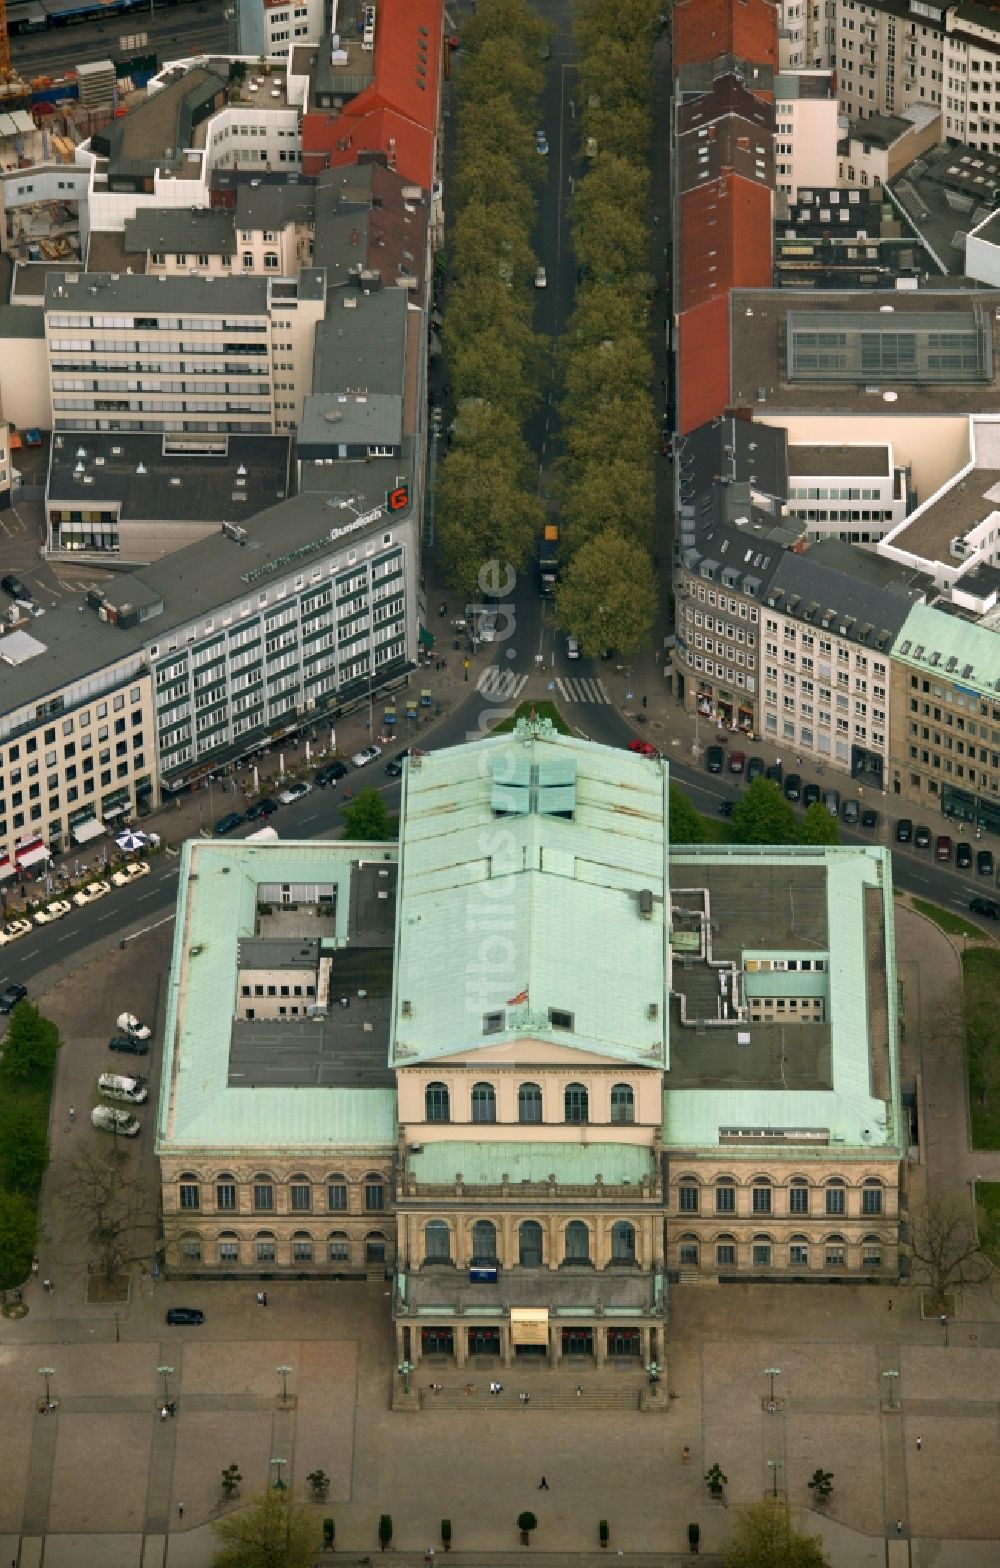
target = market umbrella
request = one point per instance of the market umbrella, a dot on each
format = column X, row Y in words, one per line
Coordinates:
column 130, row 841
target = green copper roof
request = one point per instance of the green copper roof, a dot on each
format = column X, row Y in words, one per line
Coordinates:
column 950, row 649
column 573, row 1164
column 532, row 879
column 216, row 908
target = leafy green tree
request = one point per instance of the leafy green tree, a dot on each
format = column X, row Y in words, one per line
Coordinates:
column 625, row 429
column 274, row 1530
column 494, row 61
column 487, row 508
column 367, row 817
column 479, row 178
column 601, row 312
column 31, row 1043
column 493, row 127
column 762, row 815
column 616, row 494
column 615, row 367
column 821, row 1482
column 615, row 243
column 818, row 826
column 18, row 1235
column 764, row 1538
column 513, row 22
column 599, row 22
column 686, row 826
column 607, row 598
column 482, row 232
column 613, row 179
column 496, row 371
column 24, row 1149
column 626, row 132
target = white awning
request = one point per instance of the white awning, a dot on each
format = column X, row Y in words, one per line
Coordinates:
column 33, row 856
column 83, row 832
column 7, row 869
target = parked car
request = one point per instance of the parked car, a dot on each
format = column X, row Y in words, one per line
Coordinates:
column 541, row 281
column 330, row 772
column 572, row 648
column 811, row 794
column 737, row 761
column 119, row 1087
column 644, row 748
column 394, row 767
column 54, row 911
column 11, row 995
column 262, row 808
column 134, row 871
column 963, row 856
column 904, row 830
column 365, row 755
column 850, row 813
column 488, row 628
column 15, row 587
column 130, row 1023
column 922, row 836
column 869, row 817
column 755, row 768
column 774, row 773
column 715, row 759
column 985, row 906
column 726, row 808
column 129, row 1045
column 108, row 1119
column 229, row 823
column 831, row 800
column 542, row 143
column 295, row 792
column 91, row 893
column 793, row 786
column 984, row 862
column 177, row 1315
column 942, row 847
column 12, row 930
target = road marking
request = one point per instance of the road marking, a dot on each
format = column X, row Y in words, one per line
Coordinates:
column 146, row 929
column 313, row 818
column 143, row 896
column 582, row 689
column 502, row 684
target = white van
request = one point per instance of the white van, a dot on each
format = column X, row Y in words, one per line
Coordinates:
column 109, row 1120
column 118, row 1086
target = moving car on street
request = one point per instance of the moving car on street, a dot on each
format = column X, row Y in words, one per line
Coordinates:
column 262, row 808
column 11, row 995
column 365, row 755
column 295, row 792
column 330, row 773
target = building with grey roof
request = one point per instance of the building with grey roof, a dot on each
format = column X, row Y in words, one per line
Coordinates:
column 131, row 500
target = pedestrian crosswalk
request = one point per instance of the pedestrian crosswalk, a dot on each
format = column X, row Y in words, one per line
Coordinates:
column 581, row 689
column 502, row 685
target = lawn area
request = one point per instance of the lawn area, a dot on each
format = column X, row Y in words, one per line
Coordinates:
column 26, row 1076
column 955, row 925
column 981, row 976
column 541, row 710
column 988, row 1218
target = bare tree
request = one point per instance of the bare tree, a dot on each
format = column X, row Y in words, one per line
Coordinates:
column 945, row 1246
column 113, row 1208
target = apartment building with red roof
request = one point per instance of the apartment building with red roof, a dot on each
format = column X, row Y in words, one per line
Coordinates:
column 705, row 29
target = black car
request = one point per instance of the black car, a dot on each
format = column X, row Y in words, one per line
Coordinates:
column 755, row 768
column 15, row 587
column 869, row 817
column 330, row 773
column 793, row 786
column 984, row 862
column 715, row 759
column 726, row 808
column 262, row 808
column 394, row 767
column 811, row 795
column 130, row 1044
column 922, row 837
column 985, row 906
column 774, row 773
column 185, row 1315
column 904, row 830
column 10, row 996
column 229, row 823
column 963, row 856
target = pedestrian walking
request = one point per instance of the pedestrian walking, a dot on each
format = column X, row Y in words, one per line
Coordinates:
column 579, row 1390
column 543, row 1485
column 263, row 1298
column 920, row 1444
column 890, row 1303
column 163, row 1412
column 180, row 1509
column 72, row 1113
column 46, row 1285
column 899, row 1526
column 34, row 1267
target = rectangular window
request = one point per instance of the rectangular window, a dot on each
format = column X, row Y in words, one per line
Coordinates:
column 374, row 1195
column 762, row 1254
column 798, row 1255
column 301, row 1197
column 336, row 1195
column 725, row 1255
column 834, row 1257
column 263, row 1195
column 340, row 1250
column 725, row 1200
column 871, row 1200
column 835, row 1200
column 189, row 1195
column 687, row 1199
column 266, row 1251
column 302, row 1251
column 798, row 1200
column 762, row 1200
column 225, row 1195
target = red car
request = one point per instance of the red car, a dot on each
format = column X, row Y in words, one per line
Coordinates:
column 645, row 748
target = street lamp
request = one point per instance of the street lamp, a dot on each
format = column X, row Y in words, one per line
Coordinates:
column 774, row 1465
column 278, row 1484
column 284, row 1373
column 943, row 1320
column 772, row 1373
column 46, row 1373
column 165, row 1372
column 404, row 1369
column 891, row 1376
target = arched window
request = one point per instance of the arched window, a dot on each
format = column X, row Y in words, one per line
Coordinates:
column 725, row 1251
column 437, row 1242
column 225, row 1192
column 188, row 1190
column 871, row 1196
column 300, row 1194
column 622, row 1103
column 336, row 1193
column 267, row 1250
column 834, row 1249
column 688, row 1253
column 725, row 1195
column 761, row 1195
column 339, row 1246
column 529, row 1244
column 798, row 1252
column 484, row 1242
column 437, row 1104
column 687, row 1195
column 577, row 1242
column 229, row 1247
column 529, row 1103
column 798, row 1195
column 374, row 1247
column 622, row 1242
column 836, row 1196
column 263, row 1192
column 576, row 1101
column 190, row 1247
column 871, row 1252
column 302, row 1247
column 484, row 1102
column 761, row 1252
column 374, row 1191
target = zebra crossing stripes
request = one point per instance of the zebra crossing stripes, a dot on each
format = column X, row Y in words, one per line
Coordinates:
column 503, row 685
column 581, row 689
